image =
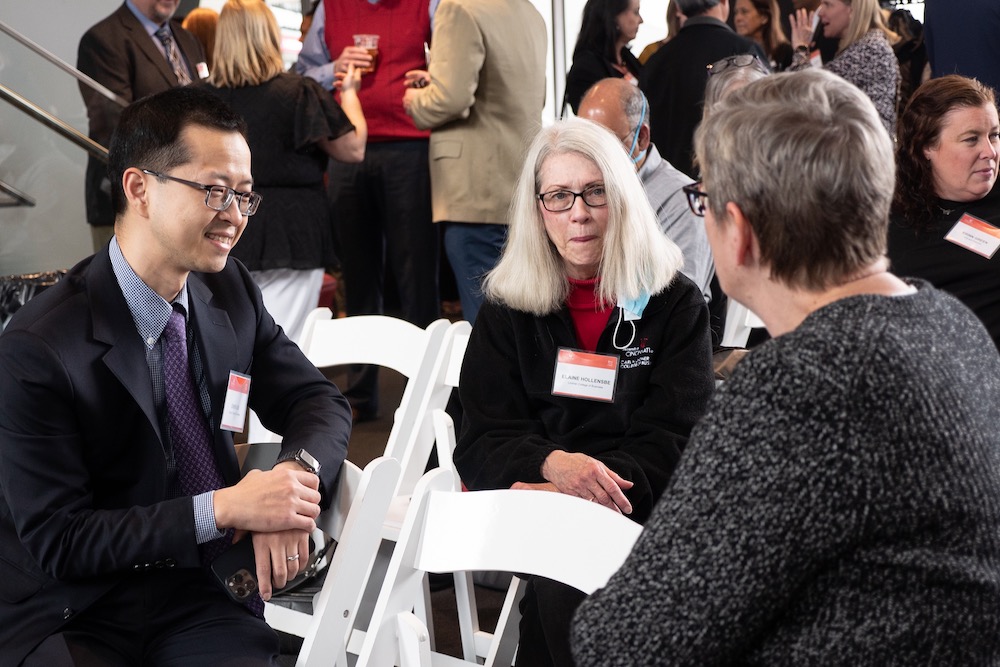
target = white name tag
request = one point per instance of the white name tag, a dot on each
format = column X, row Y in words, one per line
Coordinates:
column 202, row 68
column 234, row 412
column 585, row 375
column 976, row 235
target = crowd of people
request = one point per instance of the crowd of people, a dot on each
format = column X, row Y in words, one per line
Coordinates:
column 835, row 500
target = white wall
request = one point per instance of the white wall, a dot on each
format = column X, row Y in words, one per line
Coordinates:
column 54, row 234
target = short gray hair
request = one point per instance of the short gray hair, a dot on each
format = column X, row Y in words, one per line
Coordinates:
column 636, row 107
column 722, row 83
column 637, row 257
column 807, row 160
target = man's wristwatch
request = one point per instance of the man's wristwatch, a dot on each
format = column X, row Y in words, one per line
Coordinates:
column 303, row 458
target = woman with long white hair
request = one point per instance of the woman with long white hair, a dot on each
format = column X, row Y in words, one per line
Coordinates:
column 590, row 360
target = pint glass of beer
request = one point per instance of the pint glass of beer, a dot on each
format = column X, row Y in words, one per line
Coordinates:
column 370, row 44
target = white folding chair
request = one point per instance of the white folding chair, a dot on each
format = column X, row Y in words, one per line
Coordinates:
column 740, row 321
column 413, row 452
column 496, row 648
column 551, row 535
column 360, row 502
column 256, row 432
column 416, row 354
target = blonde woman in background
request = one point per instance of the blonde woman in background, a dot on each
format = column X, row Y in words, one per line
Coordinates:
column 294, row 125
column 864, row 56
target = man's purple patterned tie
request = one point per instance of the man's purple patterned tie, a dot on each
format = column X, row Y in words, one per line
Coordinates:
column 190, row 437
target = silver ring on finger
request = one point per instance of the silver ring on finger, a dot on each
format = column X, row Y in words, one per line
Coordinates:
column 292, row 558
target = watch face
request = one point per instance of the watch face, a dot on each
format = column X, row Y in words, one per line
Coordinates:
column 304, row 459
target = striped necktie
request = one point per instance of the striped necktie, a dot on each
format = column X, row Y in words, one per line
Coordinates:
column 174, row 56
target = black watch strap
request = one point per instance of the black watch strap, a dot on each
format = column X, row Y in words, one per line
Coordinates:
column 303, row 458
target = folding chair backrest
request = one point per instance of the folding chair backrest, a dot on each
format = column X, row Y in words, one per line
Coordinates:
column 354, row 520
column 740, row 321
column 393, row 343
column 540, row 533
column 442, row 382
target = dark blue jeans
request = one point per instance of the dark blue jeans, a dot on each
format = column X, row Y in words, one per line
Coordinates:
column 473, row 249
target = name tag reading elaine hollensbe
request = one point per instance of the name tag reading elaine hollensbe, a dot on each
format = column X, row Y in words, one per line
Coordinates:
column 585, row 375
column 976, row 235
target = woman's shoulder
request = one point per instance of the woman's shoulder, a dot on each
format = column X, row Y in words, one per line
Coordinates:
column 588, row 58
column 680, row 293
column 874, row 43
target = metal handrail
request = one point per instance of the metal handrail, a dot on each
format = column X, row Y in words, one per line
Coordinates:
column 54, row 123
column 20, row 199
column 62, row 64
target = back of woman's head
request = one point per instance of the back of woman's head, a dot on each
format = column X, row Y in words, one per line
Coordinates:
column 866, row 15
column 919, row 129
column 599, row 28
column 808, row 162
column 636, row 258
column 247, row 46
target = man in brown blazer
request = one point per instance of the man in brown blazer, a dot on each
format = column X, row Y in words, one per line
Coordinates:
column 123, row 53
column 482, row 99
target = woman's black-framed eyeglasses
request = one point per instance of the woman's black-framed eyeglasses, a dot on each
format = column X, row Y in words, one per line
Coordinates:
column 558, row 201
column 740, row 60
column 217, row 197
column 696, row 198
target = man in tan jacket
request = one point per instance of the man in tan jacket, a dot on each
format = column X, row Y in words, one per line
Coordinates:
column 482, row 99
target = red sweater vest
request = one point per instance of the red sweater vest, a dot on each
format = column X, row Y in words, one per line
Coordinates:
column 403, row 26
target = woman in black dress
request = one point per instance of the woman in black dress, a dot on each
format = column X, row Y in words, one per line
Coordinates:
column 294, row 126
column 602, row 47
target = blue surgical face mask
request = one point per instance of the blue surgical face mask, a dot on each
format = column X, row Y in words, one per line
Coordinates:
column 635, row 136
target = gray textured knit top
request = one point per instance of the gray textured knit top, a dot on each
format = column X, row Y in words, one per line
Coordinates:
column 838, row 505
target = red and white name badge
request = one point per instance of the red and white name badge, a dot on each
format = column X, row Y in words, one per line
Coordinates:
column 585, row 375
column 976, row 235
column 234, row 411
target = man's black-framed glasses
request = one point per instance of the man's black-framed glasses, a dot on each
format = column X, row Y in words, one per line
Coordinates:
column 218, row 197
column 557, row 201
column 697, row 199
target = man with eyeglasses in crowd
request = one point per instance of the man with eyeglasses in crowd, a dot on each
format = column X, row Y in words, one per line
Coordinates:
column 122, row 387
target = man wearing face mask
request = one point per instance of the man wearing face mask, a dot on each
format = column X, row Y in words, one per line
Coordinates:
column 622, row 108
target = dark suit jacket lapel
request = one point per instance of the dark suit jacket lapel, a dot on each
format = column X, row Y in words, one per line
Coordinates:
column 113, row 325
column 217, row 343
column 139, row 36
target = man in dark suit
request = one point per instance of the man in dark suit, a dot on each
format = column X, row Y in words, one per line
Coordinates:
column 119, row 481
column 124, row 54
column 963, row 37
column 674, row 77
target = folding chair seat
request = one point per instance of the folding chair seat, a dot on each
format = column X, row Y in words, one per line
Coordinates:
column 552, row 535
